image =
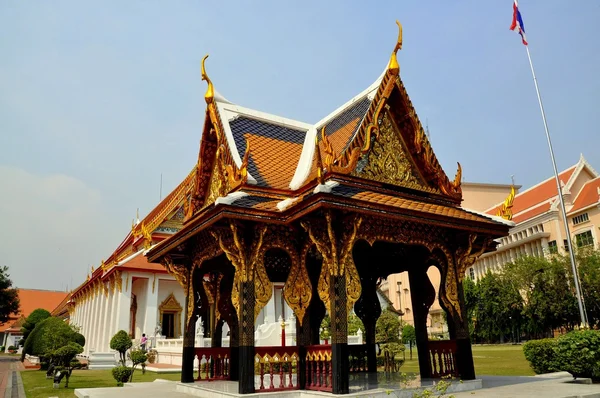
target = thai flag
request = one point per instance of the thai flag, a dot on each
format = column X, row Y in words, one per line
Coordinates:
column 517, row 23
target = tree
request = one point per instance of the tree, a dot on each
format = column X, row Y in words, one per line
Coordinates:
column 549, row 296
column 355, row 324
column 33, row 319
column 64, row 359
column 471, row 294
column 498, row 308
column 387, row 327
column 9, row 298
column 48, row 336
column 138, row 357
column 588, row 263
column 409, row 336
column 121, row 342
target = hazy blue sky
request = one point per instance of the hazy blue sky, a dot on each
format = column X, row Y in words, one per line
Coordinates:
column 98, row 98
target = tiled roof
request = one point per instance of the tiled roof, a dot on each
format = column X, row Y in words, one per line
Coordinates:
column 534, row 212
column 32, row 299
column 408, row 204
column 541, row 192
column 140, row 263
column 341, row 128
column 536, row 194
column 588, row 195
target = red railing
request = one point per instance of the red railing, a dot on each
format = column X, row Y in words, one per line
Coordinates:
column 442, row 355
column 213, row 363
column 318, row 368
column 276, row 368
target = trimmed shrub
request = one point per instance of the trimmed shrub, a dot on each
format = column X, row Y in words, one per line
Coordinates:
column 541, row 356
column 121, row 342
column 49, row 335
column 121, row 374
column 578, row 353
column 138, row 357
column 79, row 339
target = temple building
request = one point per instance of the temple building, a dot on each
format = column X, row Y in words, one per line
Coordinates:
column 327, row 211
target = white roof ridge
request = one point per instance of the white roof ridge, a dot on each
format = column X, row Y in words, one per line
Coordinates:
column 491, row 217
column 308, row 148
column 373, row 87
column 233, row 110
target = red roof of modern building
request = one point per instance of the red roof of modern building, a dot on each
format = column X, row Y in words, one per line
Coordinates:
column 588, row 195
column 32, row 299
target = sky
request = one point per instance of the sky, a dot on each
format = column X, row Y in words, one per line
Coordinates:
column 98, row 99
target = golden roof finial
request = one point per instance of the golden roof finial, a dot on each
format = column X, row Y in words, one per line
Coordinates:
column 210, row 90
column 92, row 269
column 505, row 211
column 393, row 65
column 319, row 162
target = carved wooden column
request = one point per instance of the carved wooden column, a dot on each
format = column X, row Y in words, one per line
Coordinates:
column 183, row 272
column 339, row 334
column 251, row 289
column 422, row 296
column 246, row 336
column 368, row 308
column 452, row 296
column 339, row 284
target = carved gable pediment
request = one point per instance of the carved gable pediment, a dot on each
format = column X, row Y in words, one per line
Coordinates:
column 389, row 160
column 170, row 304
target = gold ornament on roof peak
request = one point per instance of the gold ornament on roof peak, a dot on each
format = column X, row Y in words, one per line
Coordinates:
column 393, row 65
column 505, row 211
column 210, row 90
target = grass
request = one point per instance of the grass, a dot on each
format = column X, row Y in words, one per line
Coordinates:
column 37, row 386
column 490, row 360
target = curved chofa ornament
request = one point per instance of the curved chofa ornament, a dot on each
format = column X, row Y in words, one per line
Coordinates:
column 393, row 65
column 505, row 211
column 210, row 90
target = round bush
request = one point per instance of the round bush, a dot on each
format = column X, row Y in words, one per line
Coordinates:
column 121, row 374
column 541, row 356
column 79, row 339
column 578, row 353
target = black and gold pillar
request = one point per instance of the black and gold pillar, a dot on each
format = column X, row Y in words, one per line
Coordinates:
column 339, row 335
column 246, row 337
column 189, row 336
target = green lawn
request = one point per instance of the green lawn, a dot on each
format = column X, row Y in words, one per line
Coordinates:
column 37, row 386
column 495, row 360
column 490, row 360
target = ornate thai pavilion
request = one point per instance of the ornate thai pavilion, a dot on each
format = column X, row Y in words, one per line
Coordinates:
column 330, row 209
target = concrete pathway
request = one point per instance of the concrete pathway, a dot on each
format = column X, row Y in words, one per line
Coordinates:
column 11, row 385
column 554, row 385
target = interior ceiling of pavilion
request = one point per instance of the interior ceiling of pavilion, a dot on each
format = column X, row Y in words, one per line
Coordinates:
column 253, row 160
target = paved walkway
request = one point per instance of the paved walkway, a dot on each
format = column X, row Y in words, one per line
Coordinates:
column 11, row 385
column 557, row 385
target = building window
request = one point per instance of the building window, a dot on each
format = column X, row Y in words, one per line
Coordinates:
column 552, row 247
column 584, row 239
column 472, row 273
column 580, row 219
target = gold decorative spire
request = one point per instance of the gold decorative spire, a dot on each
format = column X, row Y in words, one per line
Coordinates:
column 505, row 211
column 319, row 162
column 393, row 65
column 210, row 90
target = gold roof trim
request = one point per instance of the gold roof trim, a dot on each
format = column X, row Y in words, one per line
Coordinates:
column 505, row 211
column 393, row 65
column 209, row 96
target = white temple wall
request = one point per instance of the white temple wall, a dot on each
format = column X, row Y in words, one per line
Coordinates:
column 151, row 313
column 139, row 288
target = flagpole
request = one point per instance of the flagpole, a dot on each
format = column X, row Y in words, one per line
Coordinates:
column 582, row 312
